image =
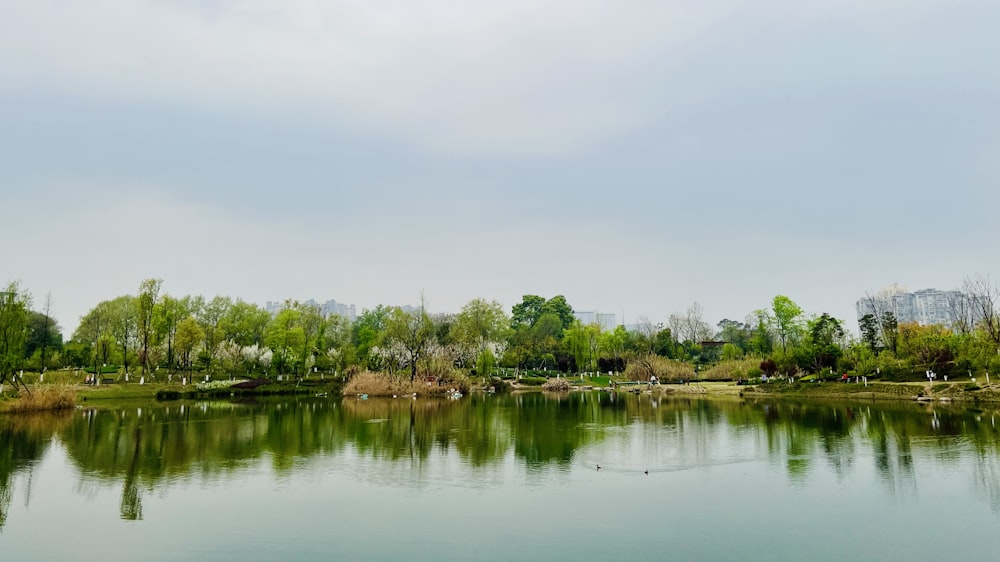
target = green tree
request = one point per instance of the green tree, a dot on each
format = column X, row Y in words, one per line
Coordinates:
column 189, row 336
column 166, row 318
column 824, row 348
column 614, row 343
column 209, row 316
column 480, row 326
column 735, row 332
column 761, row 322
column 533, row 307
column 527, row 312
column 286, row 337
column 366, row 333
column 581, row 341
column 43, row 334
column 787, row 319
column 122, row 327
column 557, row 305
column 890, row 330
column 869, row 332
column 245, row 324
column 14, row 308
column 148, row 301
column 412, row 331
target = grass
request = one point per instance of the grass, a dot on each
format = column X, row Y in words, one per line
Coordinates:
column 41, row 399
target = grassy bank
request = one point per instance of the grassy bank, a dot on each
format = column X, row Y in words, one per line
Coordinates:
column 958, row 391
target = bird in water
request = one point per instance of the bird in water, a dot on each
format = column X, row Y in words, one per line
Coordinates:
column 598, row 467
column 646, row 472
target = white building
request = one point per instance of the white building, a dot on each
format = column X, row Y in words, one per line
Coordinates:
column 925, row 307
column 605, row 321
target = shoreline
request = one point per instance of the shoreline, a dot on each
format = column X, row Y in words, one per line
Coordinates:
column 963, row 393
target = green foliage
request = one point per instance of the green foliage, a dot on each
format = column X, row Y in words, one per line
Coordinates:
column 485, row 363
column 787, row 319
column 413, row 332
column 533, row 307
column 869, row 332
column 581, row 342
column 14, row 329
column 366, row 333
column 481, row 325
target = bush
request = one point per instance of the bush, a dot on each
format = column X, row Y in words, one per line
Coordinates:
column 769, row 367
column 53, row 397
column 556, row 385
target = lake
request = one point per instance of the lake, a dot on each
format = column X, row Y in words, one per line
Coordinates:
column 504, row 477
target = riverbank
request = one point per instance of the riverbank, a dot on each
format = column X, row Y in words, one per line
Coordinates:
column 943, row 392
column 44, row 396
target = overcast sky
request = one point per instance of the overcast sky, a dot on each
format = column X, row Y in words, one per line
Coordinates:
column 633, row 155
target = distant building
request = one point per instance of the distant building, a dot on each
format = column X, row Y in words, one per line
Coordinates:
column 605, row 321
column 926, row 307
column 329, row 308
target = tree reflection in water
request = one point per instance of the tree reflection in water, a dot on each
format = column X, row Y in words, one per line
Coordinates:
column 152, row 446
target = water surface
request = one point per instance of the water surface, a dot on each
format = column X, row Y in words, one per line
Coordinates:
column 502, row 478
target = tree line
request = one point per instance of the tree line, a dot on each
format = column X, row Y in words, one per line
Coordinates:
column 151, row 330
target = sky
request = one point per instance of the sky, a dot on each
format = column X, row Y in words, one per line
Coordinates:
column 634, row 156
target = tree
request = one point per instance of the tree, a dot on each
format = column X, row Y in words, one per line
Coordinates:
column 691, row 326
column 122, row 325
column 760, row 322
column 366, row 332
column 883, row 308
column 245, row 323
column 527, row 312
column 43, row 334
column 735, row 333
column 614, row 343
column 287, row 338
column 95, row 328
column 46, row 329
column 889, row 327
column 869, row 331
column 412, row 331
column 787, row 319
column 557, row 305
column 826, row 338
column 481, row 326
column 581, row 341
column 166, row 318
column 533, row 307
column 984, row 296
column 14, row 306
column 189, row 335
column 147, row 302
column 209, row 316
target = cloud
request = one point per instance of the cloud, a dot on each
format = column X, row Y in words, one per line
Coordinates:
column 517, row 76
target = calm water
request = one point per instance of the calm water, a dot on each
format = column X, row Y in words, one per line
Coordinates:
column 503, row 478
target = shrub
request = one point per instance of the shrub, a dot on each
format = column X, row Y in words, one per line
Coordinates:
column 556, row 385
column 54, row 397
column 769, row 367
